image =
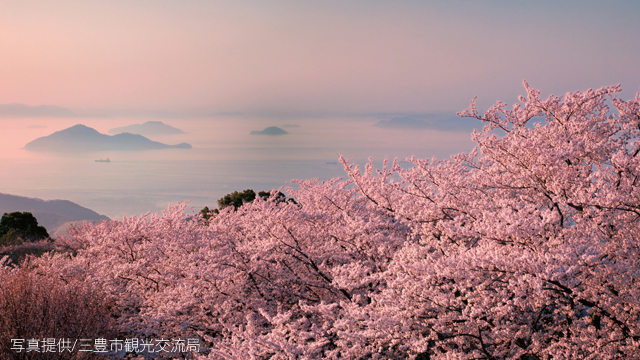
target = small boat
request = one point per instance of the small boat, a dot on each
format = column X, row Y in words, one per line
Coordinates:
column 106, row 160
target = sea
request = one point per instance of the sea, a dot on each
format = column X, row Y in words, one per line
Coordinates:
column 225, row 157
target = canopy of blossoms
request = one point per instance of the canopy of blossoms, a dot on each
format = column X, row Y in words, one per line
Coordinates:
column 526, row 248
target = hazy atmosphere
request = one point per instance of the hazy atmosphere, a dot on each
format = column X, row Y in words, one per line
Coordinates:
column 364, row 78
column 320, row 179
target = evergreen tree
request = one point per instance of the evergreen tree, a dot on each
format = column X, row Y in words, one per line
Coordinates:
column 17, row 226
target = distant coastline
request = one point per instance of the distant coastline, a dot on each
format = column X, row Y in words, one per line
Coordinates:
column 54, row 215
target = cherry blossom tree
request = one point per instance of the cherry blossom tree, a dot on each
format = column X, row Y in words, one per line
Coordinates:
column 528, row 247
column 36, row 306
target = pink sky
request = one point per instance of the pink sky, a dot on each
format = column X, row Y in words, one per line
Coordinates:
column 310, row 56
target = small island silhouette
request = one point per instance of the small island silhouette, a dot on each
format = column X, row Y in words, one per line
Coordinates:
column 271, row 130
column 83, row 138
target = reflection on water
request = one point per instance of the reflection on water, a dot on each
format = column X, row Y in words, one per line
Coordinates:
column 224, row 158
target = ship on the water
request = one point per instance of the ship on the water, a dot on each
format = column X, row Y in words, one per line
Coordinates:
column 105, row 160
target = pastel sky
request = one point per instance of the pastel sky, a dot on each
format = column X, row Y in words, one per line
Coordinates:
column 306, row 56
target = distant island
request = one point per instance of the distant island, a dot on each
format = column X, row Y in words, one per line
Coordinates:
column 455, row 123
column 271, row 130
column 22, row 111
column 403, row 123
column 148, row 128
column 83, row 138
column 52, row 214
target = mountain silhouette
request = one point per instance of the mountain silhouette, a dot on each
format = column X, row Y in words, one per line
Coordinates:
column 148, row 128
column 84, row 138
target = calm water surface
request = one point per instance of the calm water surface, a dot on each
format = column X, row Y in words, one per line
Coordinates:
column 224, row 158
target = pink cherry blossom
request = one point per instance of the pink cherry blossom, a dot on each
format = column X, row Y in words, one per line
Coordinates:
column 528, row 247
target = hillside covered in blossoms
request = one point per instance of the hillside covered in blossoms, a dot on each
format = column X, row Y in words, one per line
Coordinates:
column 528, row 247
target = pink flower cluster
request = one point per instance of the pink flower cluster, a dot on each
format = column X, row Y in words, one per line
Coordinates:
column 526, row 248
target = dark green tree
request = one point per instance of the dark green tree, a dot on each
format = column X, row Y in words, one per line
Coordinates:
column 280, row 197
column 20, row 226
column 208, row 213
column 237, row 199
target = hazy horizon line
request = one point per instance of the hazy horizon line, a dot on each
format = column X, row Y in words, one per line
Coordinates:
column 20, row 110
